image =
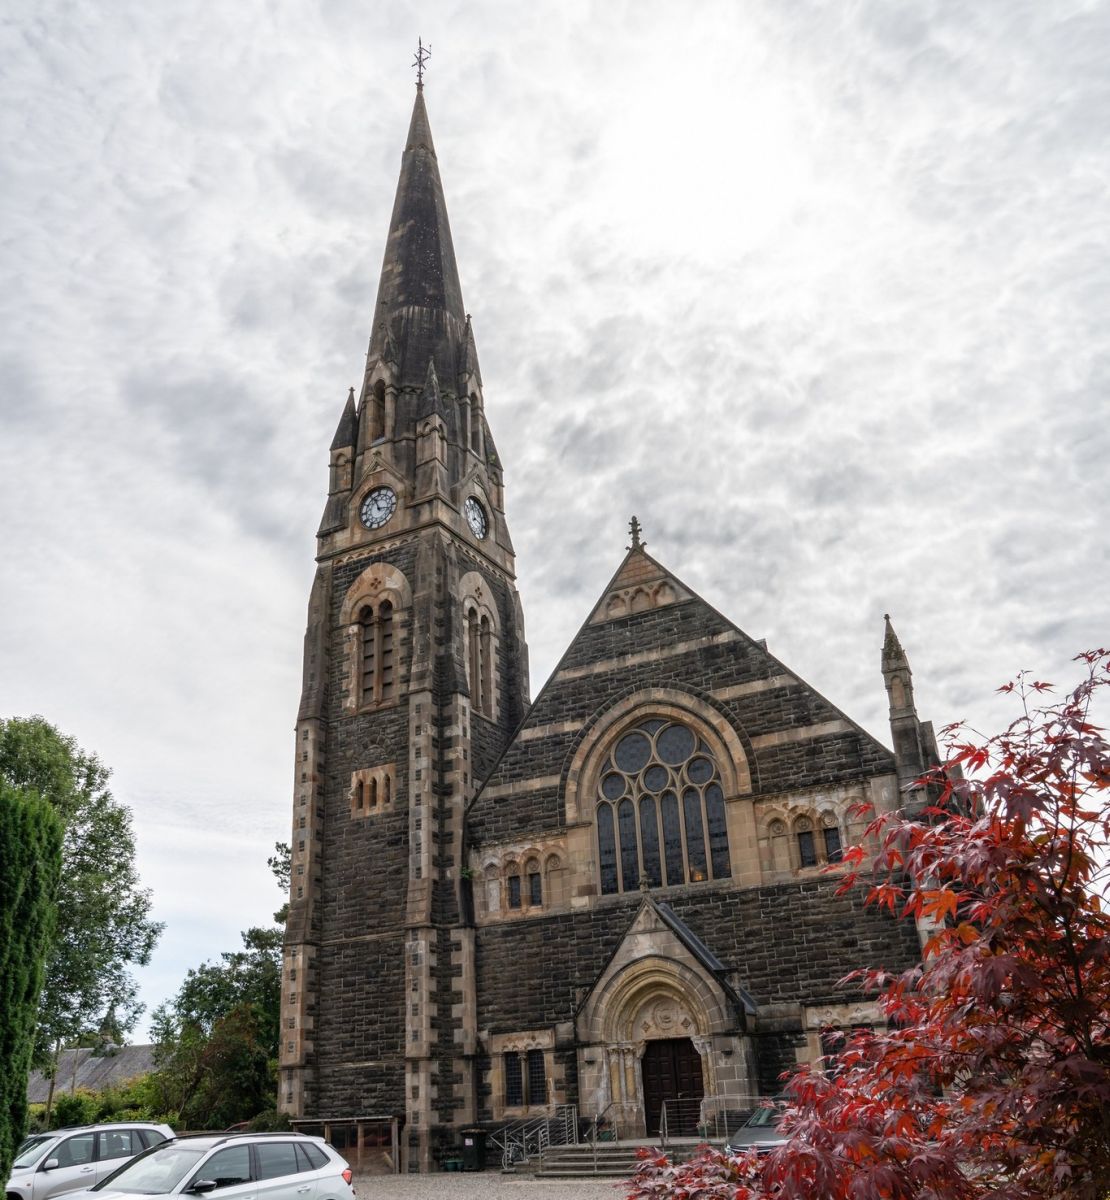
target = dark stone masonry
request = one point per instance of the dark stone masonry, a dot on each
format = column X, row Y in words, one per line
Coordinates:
column 622, row 897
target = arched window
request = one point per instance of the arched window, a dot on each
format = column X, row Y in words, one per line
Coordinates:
column 475, row 425
column 485, row 653
column 369, row 655
column 534, row 881
column 830, row 835
column 807, row 846
column 479, row 651
column 553, row 879
column 385, row 626
column 474, row 659
column 376, row 681
column 660, row 810
column 377, row 417
column 512, row 886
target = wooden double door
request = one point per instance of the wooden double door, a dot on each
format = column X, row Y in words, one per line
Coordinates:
column 671, row 1070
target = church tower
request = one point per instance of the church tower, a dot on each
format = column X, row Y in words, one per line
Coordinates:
column 415, row 676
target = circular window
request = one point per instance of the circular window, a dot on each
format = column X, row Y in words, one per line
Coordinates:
column 675, row 744
column 632, row 752
column 655, row 778
column 699, row 770
column 612, row 786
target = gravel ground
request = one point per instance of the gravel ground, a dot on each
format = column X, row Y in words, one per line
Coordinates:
column 484, row 1186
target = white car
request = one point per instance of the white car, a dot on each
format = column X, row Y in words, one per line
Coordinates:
column 238, row 1166
column 68, row 1160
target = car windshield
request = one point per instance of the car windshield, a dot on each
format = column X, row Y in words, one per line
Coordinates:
column 156, row 1172
column 33, row 1149
column 762, row 1118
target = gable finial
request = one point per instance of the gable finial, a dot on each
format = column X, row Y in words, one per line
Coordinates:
column 423, row 53
column 634, row 529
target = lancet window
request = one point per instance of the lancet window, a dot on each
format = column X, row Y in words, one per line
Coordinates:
column 480, row 651
column 377, row 412
column 660, row 810
column 376, row 673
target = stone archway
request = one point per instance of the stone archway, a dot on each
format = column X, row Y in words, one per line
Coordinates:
column 660, row 985
column 661, row 1004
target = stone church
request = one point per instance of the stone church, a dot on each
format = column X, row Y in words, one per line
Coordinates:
column 613, row 896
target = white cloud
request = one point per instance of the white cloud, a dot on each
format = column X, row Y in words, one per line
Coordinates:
column 815, row 290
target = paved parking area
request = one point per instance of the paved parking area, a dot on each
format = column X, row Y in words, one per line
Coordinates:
column 485, row 1186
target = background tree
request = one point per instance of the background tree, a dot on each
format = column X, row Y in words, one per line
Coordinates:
column 993, row 1075
column 103, row 925
column 281, row 863
column 218, row 1038
column 30, row 863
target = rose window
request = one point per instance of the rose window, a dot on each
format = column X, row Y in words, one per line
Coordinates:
column 660, row 810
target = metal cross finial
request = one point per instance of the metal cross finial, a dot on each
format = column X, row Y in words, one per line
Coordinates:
column 423, row 53
column 634, row 529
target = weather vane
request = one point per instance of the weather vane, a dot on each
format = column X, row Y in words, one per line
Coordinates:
column 634, row 529
column 423, row 53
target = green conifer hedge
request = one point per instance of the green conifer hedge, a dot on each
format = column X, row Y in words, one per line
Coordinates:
column 30, row 865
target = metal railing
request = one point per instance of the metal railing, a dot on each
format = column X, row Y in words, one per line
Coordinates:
column 521, row 1141
column 608, row 1126
column 711, row 1118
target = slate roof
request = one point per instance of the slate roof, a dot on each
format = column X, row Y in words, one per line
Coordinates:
column 95, row 1070
column 769, row 699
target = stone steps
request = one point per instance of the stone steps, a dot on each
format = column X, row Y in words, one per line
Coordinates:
column 613, row 1160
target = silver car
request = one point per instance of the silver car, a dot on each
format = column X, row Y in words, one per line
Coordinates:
column 759, row 1132
column 238, row 1166
column 67, row 1160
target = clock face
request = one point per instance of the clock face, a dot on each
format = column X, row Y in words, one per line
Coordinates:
column 476, row 517
column 378, row 507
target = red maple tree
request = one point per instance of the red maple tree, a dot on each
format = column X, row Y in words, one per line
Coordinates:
column 992, row 1077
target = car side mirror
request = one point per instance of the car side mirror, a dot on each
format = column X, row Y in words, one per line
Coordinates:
column 51, row 1164
column 204, row 1185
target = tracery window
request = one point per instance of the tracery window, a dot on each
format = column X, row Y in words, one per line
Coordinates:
column 376, row 674
column 660, row 810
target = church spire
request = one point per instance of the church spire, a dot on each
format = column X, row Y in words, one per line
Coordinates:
column 346, row 430
column 419, row 305
column 914, row 743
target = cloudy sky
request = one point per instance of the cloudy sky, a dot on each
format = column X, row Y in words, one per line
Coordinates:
column 819, row 290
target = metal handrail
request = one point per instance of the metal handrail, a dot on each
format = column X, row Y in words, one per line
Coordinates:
column 713, row 1116
column 566, row 1121
column 595, row 1126
column 532, row 1137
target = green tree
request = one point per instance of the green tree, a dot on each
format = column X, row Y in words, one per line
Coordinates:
column 218, row 1037
column 30, row 863
column 103, row 925
column 281, row 864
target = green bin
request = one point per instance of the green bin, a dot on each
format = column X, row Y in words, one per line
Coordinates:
column 474, row 1149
